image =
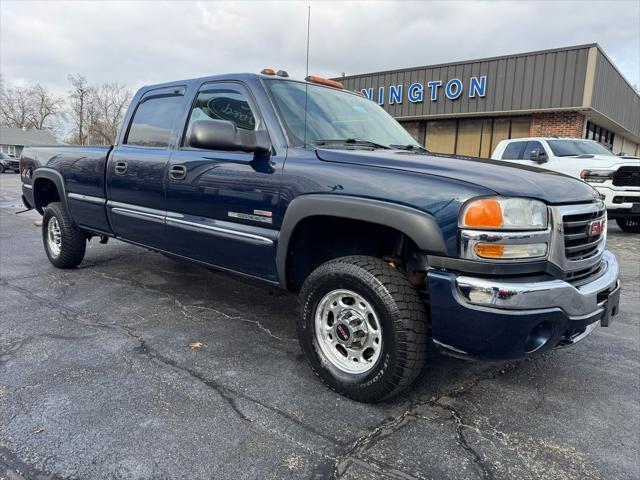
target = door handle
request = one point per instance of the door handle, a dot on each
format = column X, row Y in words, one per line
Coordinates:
column 121, row 168
column 178, row 172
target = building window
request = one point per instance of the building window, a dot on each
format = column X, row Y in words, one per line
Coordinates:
column 414, row 130
column 469, row 138
column 441, row 136
column 599, row 134
column 8, row 149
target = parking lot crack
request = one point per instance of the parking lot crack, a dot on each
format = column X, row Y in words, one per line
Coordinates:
column 484, row 472
column 411, row 412
column 221, row 390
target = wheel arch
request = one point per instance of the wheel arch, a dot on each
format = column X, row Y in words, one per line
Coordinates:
column 41, row 181
column 418, row 226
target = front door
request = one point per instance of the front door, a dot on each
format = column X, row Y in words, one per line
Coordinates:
column 136, row 170
column 221, row 205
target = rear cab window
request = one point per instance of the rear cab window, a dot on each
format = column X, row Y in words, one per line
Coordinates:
column 154, row 120
column 513, row 151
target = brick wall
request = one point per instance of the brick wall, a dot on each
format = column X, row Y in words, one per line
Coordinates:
column 560, row 124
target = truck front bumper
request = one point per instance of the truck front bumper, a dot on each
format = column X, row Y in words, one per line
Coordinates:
column 505, row 318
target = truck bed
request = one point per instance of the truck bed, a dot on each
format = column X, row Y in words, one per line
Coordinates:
column 82, row 171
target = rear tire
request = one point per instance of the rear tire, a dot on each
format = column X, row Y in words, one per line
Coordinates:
column 380, row 313
column 629, row 224
column 64, row 243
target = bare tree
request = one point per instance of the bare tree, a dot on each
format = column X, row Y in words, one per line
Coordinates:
column 44, row 106
column 28, row 107
column 111, row 100
column 79, row 107
column 96, row 111
column 15, row 107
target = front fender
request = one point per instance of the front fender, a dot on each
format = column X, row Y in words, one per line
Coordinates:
column 415, row 224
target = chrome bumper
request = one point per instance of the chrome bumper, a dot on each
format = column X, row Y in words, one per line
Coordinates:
column 524, row 294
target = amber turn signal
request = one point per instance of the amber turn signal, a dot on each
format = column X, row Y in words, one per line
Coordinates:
column 484, row 213
column 489, row 250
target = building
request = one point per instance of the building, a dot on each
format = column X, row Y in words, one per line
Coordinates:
column 466, row 108
column 13, row 140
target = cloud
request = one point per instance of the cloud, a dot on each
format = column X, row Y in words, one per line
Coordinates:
column 138, row 43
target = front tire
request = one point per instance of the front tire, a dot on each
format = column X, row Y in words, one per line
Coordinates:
column 64, row 243
column 629, row 224
column 2, row 168
column 363, row 328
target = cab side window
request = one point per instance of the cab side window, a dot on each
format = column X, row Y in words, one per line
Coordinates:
column 531, row 146
column 153, row 122
column 513, row 151
column 222, row 104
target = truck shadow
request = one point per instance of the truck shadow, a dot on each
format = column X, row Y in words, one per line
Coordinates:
column 272, row 309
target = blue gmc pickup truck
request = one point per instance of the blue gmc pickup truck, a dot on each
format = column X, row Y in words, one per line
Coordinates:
column 308, row 187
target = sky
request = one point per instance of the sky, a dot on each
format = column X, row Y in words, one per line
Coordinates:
column 145, row 42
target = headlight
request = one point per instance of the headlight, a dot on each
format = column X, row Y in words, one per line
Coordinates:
column 501, row 213
column 596, row 176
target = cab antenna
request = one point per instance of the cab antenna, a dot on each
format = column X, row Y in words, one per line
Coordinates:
column 306, row 84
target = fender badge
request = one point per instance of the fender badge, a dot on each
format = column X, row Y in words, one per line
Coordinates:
column 251, row 218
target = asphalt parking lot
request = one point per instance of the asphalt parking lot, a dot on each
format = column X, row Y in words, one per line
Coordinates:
column 98, row 381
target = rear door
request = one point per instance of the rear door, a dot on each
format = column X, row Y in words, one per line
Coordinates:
column 220, row 205
column 136, row 172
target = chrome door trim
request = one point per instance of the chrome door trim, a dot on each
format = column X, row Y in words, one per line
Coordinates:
column 169, row 218
column 134, row 211
column 86, row 198
column 214, row 229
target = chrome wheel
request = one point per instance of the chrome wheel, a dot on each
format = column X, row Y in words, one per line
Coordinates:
column 348, row 331
column 54, row 237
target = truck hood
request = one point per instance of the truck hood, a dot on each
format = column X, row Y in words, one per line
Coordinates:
column 501, row 177
column 574, row 165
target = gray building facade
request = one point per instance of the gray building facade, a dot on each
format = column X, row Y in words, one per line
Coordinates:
column 467, row 107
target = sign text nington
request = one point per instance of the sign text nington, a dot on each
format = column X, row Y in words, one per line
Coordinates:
column 453, row 90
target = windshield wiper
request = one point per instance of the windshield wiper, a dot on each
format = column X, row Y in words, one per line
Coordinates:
column 410, row 147
column 350, row 141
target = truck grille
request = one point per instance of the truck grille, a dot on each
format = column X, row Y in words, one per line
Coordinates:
column 579, row 276
column 578, row 244
column 575, row 254
column 627, row 177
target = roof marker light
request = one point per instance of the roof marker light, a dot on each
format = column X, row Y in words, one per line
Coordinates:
column 324, row 81
column 268, row 71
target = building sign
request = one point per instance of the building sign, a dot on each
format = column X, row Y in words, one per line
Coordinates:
column 417, row 92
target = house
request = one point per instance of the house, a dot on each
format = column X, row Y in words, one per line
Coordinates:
column 13, row 140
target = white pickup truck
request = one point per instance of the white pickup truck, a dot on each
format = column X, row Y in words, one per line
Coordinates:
column 617, row 179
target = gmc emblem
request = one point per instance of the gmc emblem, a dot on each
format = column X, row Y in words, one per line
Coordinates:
column 596, row 228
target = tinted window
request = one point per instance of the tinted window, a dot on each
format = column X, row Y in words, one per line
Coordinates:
column 531, row 146
column 153, row 122
column 513, row 151
column 223, row 104
column 569, row 148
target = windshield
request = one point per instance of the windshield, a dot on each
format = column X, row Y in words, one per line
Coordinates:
column 570, row 148
column 334, row 116
column 4, row 156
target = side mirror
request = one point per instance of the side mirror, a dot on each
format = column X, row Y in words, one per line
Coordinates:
column 538, row 156
column 224, row 135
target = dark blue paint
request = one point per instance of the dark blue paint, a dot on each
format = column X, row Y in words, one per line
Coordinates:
column 221, row 182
